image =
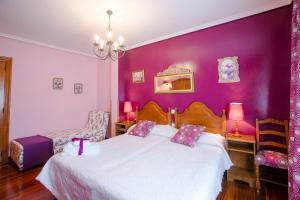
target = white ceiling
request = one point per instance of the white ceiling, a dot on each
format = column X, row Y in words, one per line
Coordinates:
column 71, row 24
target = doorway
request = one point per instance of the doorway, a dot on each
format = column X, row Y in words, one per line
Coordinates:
column 5, row 86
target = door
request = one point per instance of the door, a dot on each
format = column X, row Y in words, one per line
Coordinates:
column 5, row 79
column 2, row 77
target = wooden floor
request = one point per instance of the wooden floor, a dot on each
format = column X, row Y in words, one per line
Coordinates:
column 22, row 185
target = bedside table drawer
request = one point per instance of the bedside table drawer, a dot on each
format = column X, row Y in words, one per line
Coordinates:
column 240, row 147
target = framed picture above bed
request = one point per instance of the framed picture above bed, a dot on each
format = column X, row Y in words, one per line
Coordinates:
column 175, row 79
column 228, row 68
column 138, row 76
column 176, row 83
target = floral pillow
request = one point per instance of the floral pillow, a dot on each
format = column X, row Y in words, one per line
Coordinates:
column 142, row 129
column 188, row 135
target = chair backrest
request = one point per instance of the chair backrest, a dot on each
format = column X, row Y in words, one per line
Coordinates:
column 272, row 129
column 97, row 120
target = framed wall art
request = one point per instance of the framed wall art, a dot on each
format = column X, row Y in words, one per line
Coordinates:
column 175, row 83
column 228, row 68
column 138, row 76
column 78, row 88
column 175, row 79
column 58, row 83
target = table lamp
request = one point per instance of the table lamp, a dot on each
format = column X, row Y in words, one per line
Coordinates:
column 127, row 109
column 236, row 113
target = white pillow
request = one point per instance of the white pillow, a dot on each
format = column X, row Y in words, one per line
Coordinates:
column 164, row 130
column 131, row 127
column 206, row 137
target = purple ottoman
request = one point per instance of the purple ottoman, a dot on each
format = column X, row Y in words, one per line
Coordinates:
column 37, row 150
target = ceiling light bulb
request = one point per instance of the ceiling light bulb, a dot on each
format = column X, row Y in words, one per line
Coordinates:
column 109, row 34
column 96, row 38
column 121, row 40
column 102, row 44
column 116, row 45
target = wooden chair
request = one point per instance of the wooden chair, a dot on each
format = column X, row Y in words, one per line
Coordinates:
column 274, row 158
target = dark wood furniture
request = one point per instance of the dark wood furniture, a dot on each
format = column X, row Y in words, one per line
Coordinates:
column 271, row 129
column 242, row 151
column 122, row 127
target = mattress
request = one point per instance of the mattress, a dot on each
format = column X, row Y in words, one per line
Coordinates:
column 134, row 168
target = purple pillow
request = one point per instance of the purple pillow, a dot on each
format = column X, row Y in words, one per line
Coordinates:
column 188, row 135
column 142, row 129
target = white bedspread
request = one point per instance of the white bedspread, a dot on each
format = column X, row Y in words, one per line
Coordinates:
column 134, row 168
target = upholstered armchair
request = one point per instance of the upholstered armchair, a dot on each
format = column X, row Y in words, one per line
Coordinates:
column 97, row 126
column 95, row 131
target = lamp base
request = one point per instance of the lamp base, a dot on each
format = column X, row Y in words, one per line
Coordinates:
column 236, row 127
column 236, row 134
column 128, row 117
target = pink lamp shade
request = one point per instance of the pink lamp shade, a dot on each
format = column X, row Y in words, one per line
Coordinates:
column 236, row 111
column 127, row 107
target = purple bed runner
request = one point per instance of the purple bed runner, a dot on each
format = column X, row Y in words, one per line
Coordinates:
column 37, row 150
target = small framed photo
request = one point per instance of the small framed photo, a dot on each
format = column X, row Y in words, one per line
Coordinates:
column 138, row 76
column 228, row 68
column 58, row 83
column 78, row 88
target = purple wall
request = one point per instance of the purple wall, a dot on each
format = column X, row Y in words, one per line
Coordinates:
column 262, row 43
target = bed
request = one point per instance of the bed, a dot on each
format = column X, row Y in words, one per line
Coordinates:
column 135, row 168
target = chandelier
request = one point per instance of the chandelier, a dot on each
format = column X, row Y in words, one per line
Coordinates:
column 109, row 48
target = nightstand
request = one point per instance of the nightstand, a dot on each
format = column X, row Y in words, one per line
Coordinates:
column 122, row 127
column 242, row 151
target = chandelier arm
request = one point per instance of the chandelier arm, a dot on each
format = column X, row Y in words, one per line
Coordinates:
column 102, row 57
column 114, row 55
column 105, row 56
column 108, row 50
column 96, row 52
column 121, row 52
column 102, row 54
column 122, row 48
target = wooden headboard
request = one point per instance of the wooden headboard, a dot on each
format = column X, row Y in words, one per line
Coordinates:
column 153, row 112
column 199, row 114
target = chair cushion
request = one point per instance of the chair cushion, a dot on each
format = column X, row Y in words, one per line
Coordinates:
column 272, row 159
column 65, row 136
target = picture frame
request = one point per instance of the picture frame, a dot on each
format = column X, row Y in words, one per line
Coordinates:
column 138, row 76
column 174, row 83
column 228, row 69
column 78, row 88
column 58, row 83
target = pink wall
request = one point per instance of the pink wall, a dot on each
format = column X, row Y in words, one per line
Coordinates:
column 35, row 106
column 262, row 43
